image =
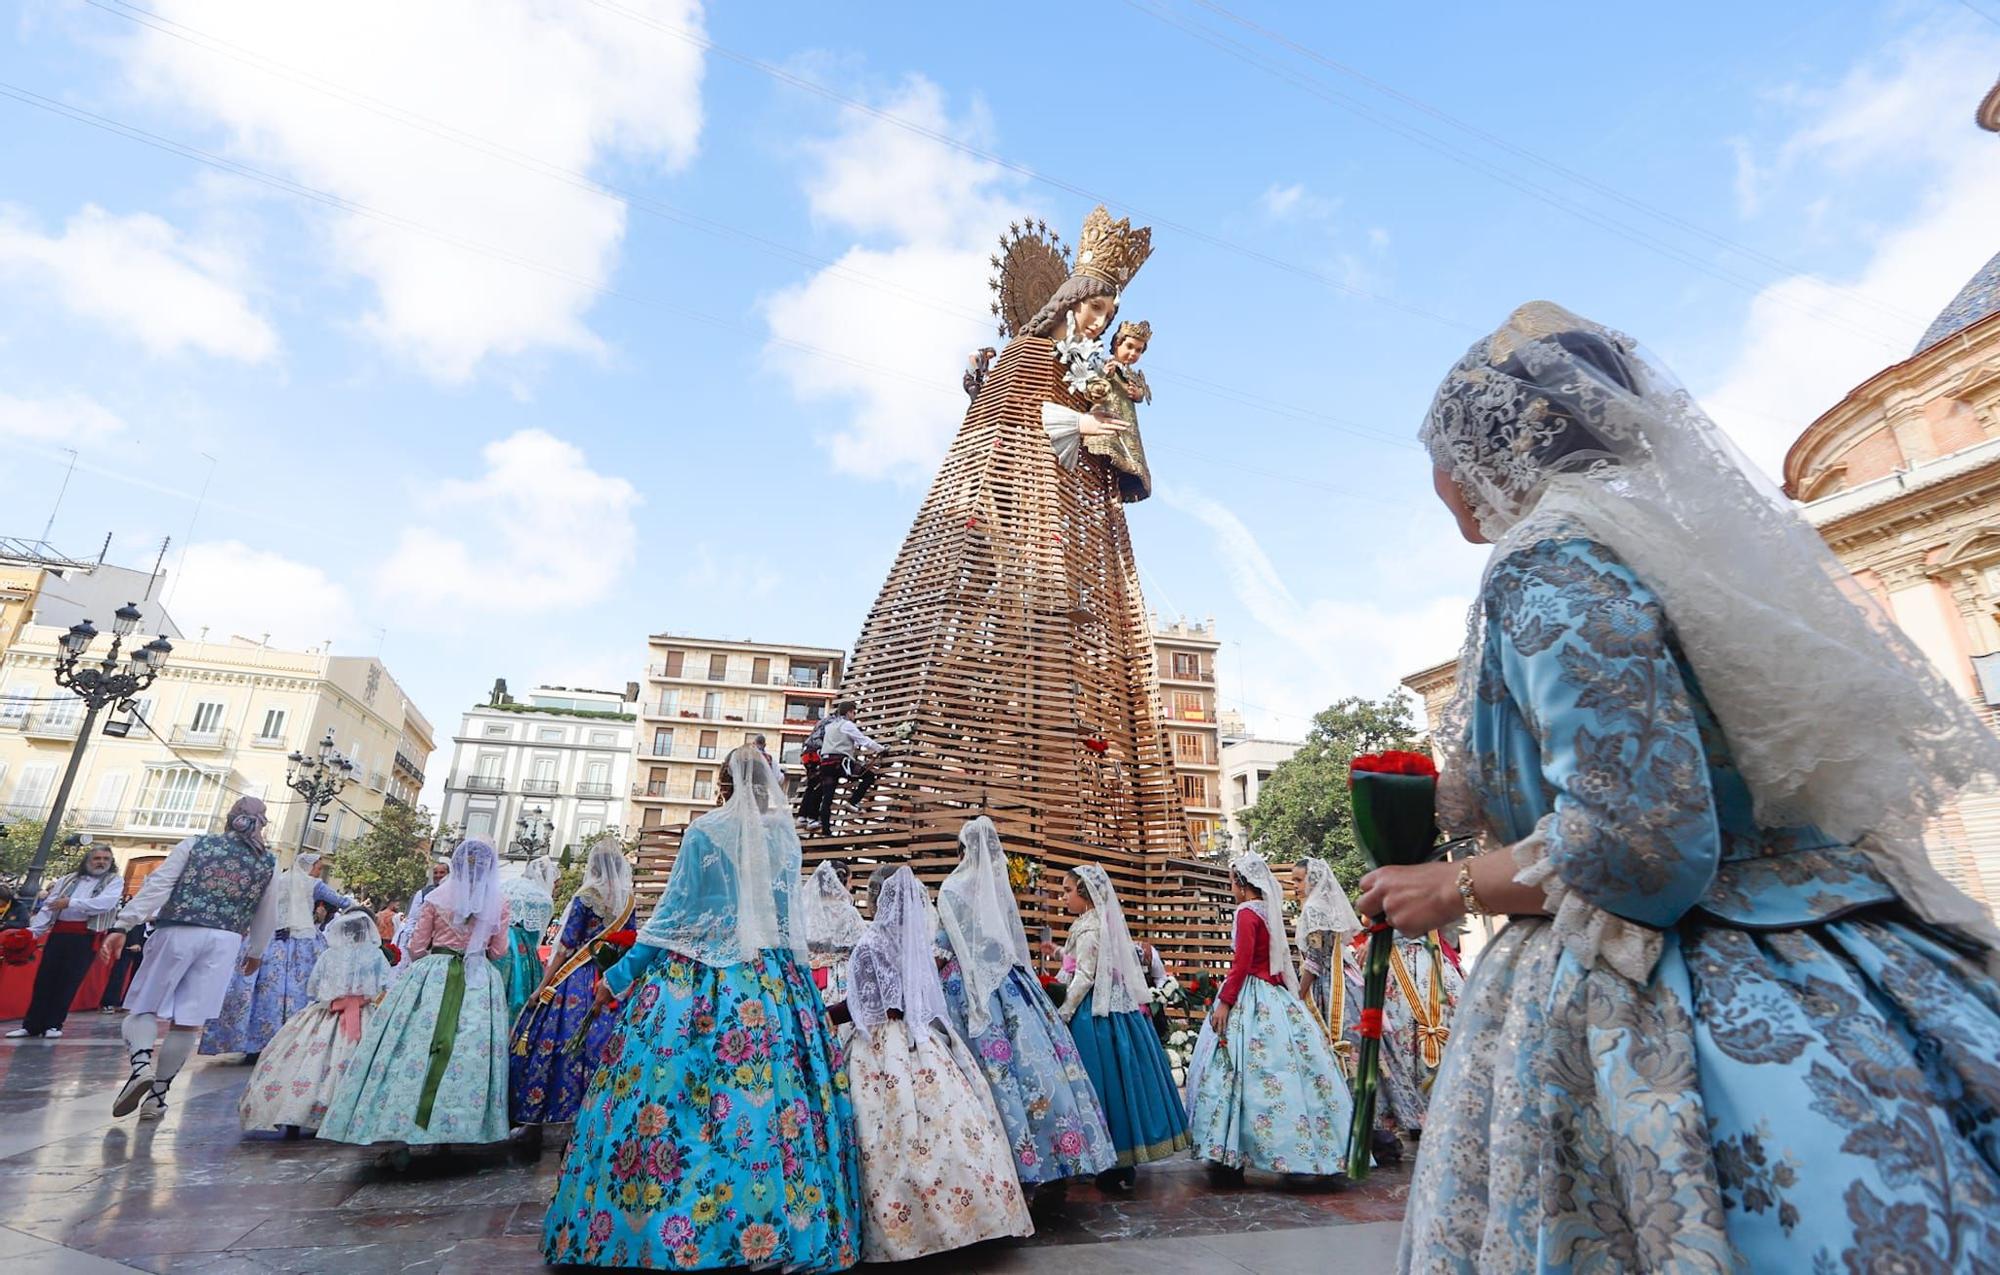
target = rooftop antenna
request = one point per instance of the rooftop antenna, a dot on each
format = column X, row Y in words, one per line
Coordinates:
column 157, row 563
column 60, row 493
column 180, row 567
column 104, row 550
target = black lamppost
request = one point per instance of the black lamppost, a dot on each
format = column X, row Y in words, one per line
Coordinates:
column 531, row 833
column 99, row 684
column 318, row 778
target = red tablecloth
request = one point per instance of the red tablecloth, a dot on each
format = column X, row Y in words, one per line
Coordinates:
column 17, row 984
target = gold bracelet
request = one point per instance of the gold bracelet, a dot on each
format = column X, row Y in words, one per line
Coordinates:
column 1473, row 907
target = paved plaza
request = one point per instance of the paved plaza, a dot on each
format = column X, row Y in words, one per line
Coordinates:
column 82, row 1192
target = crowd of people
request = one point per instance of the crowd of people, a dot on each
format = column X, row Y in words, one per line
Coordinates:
column 760, row 1074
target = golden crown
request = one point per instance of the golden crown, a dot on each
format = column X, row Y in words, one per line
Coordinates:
column 1142, row 331
column 1111, row 250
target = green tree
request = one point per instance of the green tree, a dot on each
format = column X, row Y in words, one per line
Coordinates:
column 1302, row 808
column 17, row 850
column 387, row 863
column 572, row 862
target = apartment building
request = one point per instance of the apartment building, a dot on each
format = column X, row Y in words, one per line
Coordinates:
column 1247, row 762
column 218, row 723
column 555, row 765
column 1184, row 666
column 703, row 697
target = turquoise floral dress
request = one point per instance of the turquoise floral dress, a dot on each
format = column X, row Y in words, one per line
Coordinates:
column 717, row 1130
column 1730, row 1047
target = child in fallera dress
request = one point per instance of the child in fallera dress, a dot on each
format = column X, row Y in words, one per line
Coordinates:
column 717, row 1130
column 1054, row 1123
column 431, row 1068
column 548, row 1065
column 833, row 926
column 1106, row 1010
column 305, row 1062
column 936, row 1172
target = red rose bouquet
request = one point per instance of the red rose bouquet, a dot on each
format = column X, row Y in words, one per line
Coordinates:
column 1394, row 799
column 17, row 947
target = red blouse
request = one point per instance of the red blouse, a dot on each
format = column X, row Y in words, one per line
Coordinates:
column 1253, row 956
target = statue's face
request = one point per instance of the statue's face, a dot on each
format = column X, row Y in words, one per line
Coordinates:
column 1128, row 350
column 1093, row 315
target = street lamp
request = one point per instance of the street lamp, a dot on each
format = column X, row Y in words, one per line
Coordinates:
column 531, row 833
column 317, row 778
column 101, row 684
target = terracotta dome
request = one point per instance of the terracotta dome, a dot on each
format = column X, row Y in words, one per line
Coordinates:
column 1978, row 299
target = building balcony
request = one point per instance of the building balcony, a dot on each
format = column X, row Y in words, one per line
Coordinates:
column 267, row 741
column 657, row 754
column 318, row 838
column 541, row 787
column 169, row 819
column 51, row 725
column 596, row 790
column 410, row 768
column 214, row 741
column 484, row 783
column 1202, row 678
column 654, row 791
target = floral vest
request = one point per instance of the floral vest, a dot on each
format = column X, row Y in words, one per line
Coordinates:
column 221, row 885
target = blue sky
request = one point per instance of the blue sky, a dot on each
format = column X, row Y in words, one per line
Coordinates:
column 523, row 330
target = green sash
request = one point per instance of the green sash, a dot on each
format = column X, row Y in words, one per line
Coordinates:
column 445, row 1034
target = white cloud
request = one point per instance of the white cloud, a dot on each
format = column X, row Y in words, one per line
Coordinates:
column 1295, row 203
column 911, row 300
column 140, row 277
column 1313, row 651
column 539, row 529
column 1908, row 114
column 565, row 85
column 233, row 590
column 732, row 574
column 66, row 418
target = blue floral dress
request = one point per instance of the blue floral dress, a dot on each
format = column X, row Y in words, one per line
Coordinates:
column 1047, row 1105
column 258, row 1004
column 547, row 1077
column 1730, row 1047
column 717, row 1131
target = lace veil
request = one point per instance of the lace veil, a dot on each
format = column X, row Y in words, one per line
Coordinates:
column 299, row 883
column 1556, row 425
column 1251, row 867
column 732, row 891
column 981, row 920
column 833, row 923
column 607, row 878
column 1326, row 907
column 471, row 899
column 352, row 964
column 529, row 903
column 893, row 966
column 1120, row 986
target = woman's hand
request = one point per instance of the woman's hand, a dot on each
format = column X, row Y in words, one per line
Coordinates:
column 1415, row 899
column 1219, row 1019
column 603, row 996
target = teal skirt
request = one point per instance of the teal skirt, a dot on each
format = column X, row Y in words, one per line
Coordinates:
column 523, row 967
column 1128, row 1067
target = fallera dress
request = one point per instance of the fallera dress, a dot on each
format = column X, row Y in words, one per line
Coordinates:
column 548, row 1076
column 1413, row 1041
column 1127, row 1065
column 258, row 1004
column 389, row 1093
column 305, row 1062
column 1732, row 1047
column 1268, row 1095
column 717, row 1130
column 531, row 910
column 1055, row 1125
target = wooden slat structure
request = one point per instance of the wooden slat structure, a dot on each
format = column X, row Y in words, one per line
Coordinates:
column 1008, row 665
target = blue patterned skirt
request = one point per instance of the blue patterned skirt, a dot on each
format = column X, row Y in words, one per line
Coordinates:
column 1134, row 1083
column 717, row 1131
column 523, row 967
column 1822, row 1098
column 258, row 1004
column 1270, row 1096
column 1047, row 1106
column 547, row 1076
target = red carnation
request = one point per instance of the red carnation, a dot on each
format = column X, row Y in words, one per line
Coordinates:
column 1394, row 763
column 17, row 947
column 1097, row 744
column 622, row 938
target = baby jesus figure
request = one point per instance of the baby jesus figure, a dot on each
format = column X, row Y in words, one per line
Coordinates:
column 1110, row 430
